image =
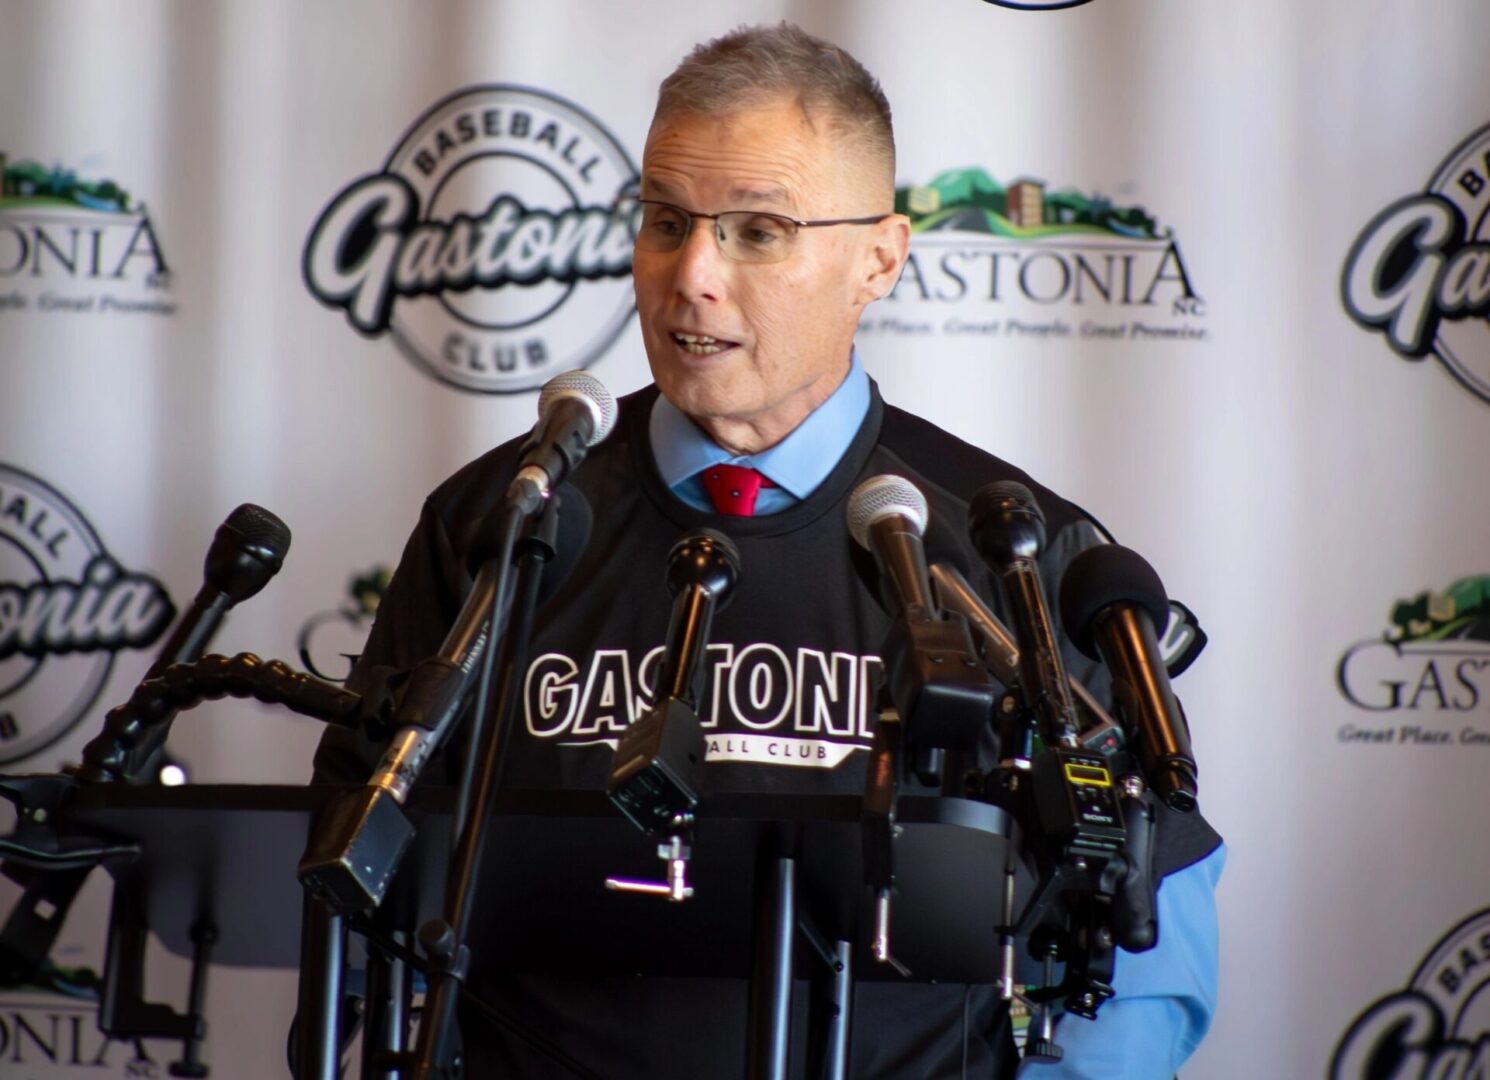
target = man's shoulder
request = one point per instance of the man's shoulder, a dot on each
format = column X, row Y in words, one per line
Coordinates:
column 957, row 469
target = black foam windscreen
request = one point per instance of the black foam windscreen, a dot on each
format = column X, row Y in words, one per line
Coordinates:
column 1104, row 575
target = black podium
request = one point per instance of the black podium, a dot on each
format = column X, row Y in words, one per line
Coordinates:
column 216, row 872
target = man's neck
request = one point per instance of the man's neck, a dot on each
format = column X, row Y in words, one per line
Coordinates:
column 742, row 436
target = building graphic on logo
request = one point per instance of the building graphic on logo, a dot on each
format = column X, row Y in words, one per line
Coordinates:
column 75, row 246
column 1019, row 260
column 488, row 246
column 66, row 608
column 1431, row 665
column 1438, row 1026
column 1420, row 272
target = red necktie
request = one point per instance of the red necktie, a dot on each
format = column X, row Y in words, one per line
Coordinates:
column 733, row 488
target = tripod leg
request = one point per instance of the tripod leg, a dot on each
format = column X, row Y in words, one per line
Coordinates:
column 323, row 957
column 840, row 1025
column 387, row 1030
column 769, row 1019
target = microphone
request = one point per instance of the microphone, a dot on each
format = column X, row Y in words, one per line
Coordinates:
column 575, row 411
column 943, row 693
column 361, row 839
column 1111, row 600
column 954, row 593
column 246, row 551
column 887, row 515
column 657, row 772
column 1008, row 529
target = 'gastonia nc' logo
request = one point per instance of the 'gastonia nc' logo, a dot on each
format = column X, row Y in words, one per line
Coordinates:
column 66, row 607
column 1018, row 260
column 329, row 634
column 75, row 246
column 1420, row 273
column 1439, row 1026
column 1432, row 663
column 492, row 216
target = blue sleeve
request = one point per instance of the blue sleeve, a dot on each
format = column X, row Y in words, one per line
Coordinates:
column 1164, row 997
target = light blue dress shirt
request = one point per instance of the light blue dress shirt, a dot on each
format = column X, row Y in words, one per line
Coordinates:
column 796, row 465
column 1165, row 997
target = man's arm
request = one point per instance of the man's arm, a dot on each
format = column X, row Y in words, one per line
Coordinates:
column 1165, row 997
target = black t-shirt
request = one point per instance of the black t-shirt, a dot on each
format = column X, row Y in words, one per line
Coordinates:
column 786, row 704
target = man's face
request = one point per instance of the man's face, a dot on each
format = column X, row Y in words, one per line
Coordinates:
column 782, row 332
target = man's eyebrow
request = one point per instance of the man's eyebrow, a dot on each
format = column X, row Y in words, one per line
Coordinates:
column 661, row 187
column 742, row 195
column 772, row 194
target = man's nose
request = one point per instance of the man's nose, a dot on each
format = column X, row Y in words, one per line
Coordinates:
column 702, row 269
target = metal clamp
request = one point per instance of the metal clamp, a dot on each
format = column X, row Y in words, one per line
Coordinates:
column 674, row 852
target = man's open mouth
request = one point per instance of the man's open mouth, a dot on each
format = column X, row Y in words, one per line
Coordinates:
column 701, row 344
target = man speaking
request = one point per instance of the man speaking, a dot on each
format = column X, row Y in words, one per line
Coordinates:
column 764, row 226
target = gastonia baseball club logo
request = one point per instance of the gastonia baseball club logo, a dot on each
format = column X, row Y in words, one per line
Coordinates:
column 75, row 246
column 1420, row 273
column 328, row 637
column 488, row 246
column 1025, row 262
column 1439, row 1026
column 1427, row 675
column 66, row 608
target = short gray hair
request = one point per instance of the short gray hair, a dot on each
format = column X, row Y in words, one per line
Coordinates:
column 753, row 64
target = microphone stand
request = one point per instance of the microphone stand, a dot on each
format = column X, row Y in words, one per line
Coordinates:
column 444, row 938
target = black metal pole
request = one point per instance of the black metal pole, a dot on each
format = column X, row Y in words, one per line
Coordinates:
column 386, row 1019
column 446, row 942
column 840, row 1024
column 323, row 956
column 769, row 1021
column 203, row 937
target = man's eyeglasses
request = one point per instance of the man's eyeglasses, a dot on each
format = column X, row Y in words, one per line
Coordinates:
column 747, row 236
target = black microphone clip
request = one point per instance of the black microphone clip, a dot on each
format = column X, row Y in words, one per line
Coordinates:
column 656, row 776
column 938, row 685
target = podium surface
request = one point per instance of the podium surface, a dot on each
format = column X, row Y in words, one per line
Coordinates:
column 227, row 854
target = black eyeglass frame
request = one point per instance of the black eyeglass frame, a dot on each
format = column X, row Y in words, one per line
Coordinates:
column 797, row 222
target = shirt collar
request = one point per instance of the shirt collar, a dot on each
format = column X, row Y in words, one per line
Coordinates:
column 797, row 464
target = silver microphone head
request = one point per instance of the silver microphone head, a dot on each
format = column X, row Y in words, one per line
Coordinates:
column 882, row 495
column 583, row 387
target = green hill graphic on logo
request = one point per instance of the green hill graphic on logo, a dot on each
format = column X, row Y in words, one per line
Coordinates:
column 28, row 185
column 366, row 590
column 969, row 200
column 1459, row 613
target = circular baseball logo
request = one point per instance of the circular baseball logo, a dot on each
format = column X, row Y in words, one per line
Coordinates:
column 1420, row 272
column 1438, row 1026
column 66, row 607
column 488, row 247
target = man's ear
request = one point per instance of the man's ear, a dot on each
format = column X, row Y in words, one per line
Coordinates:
column 890, row 244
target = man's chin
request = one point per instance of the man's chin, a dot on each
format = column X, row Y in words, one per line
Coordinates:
column 707, row 405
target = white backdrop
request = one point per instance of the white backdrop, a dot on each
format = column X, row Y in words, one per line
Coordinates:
column 1290, row 475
